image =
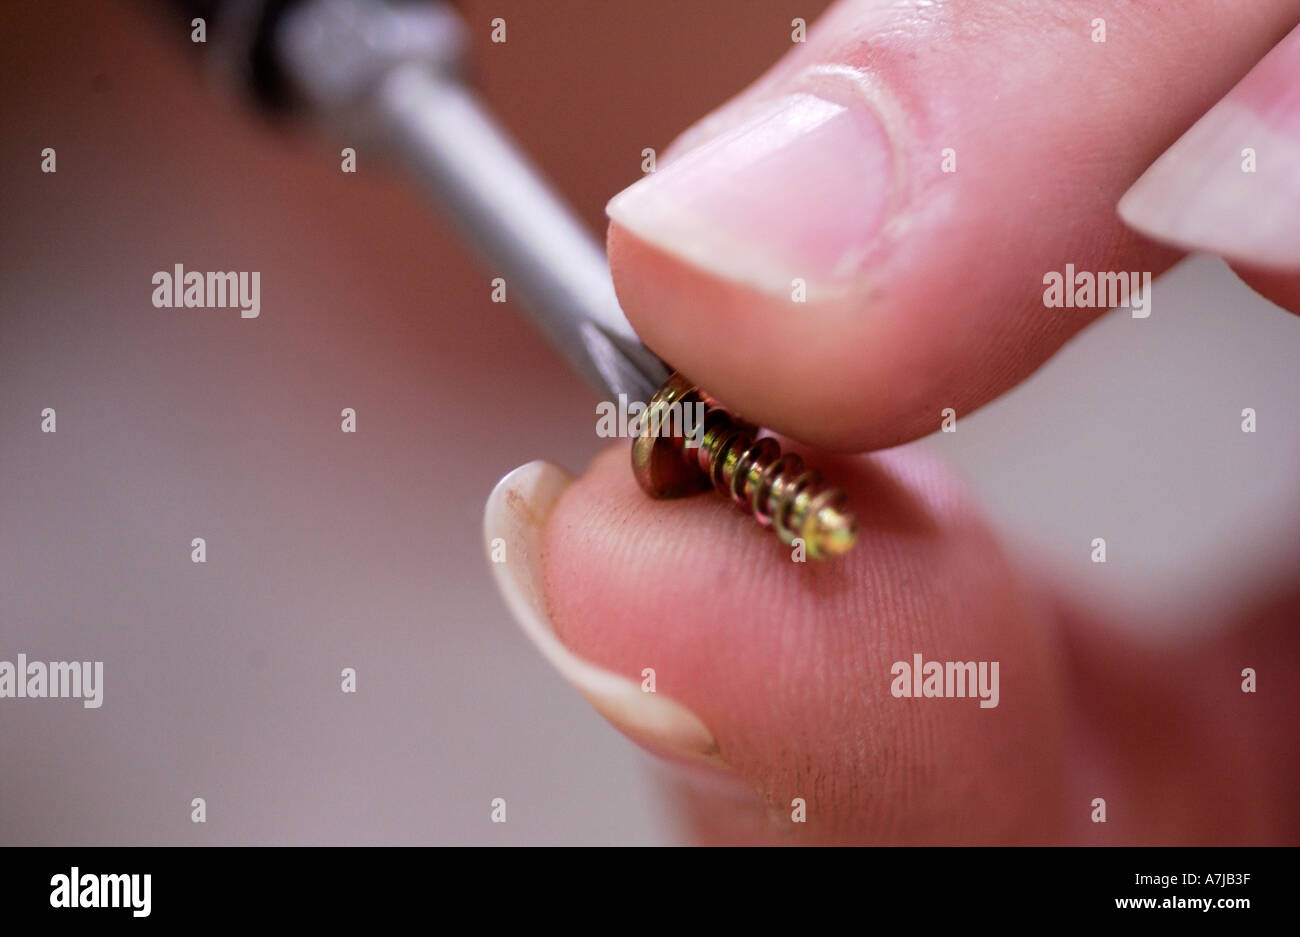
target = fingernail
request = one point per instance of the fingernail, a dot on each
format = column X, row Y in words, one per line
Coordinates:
column 797, row 189
column 513, row 524
column 1230, row 184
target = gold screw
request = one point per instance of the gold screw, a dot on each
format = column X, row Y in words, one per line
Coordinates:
column 731, row 457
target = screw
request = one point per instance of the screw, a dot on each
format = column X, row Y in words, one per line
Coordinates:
column 727, row 454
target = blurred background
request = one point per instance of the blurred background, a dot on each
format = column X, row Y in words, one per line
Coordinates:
column 328, row 550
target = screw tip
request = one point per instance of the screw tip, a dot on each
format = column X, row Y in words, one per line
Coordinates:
column 834, row 532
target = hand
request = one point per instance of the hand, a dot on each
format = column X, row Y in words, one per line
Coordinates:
column 919, row 168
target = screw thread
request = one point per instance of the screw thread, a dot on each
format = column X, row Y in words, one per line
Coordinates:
column 777, row 489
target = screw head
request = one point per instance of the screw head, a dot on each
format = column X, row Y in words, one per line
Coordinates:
column 658, row 461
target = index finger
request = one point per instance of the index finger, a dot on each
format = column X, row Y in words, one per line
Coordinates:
column 867, row 236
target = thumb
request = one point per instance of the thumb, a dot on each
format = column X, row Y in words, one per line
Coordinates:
column 773, row 688
column 860, row 240
column 769, row 682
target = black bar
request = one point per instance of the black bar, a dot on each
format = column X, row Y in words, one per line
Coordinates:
column 246, row 885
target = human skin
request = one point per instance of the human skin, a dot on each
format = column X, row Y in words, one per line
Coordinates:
column 925, row 292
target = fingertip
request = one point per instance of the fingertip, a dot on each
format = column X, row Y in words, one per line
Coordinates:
column 798, row 365
column 864, row 243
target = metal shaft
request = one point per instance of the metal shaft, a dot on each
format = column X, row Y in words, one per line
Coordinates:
column 388, row 71
column 520, row 226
